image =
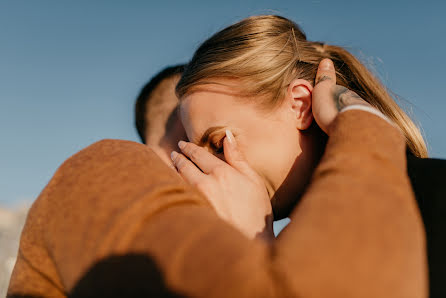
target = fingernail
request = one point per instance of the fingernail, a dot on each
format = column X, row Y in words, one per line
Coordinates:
column 230, row 137
column 173, row 155
column 326, row 64
column 181, row 144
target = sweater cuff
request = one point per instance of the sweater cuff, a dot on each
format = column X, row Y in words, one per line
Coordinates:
column 356, row 130
column 367, row 109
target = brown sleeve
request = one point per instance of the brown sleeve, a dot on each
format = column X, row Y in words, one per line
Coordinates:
column 114, row 219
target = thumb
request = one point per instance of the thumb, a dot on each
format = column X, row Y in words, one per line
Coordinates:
column 323, row 106
column 235, row 157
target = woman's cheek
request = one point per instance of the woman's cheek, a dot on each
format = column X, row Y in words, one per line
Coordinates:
column 263, row 161
column 251, row 154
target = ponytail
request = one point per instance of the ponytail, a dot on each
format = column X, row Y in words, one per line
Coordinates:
column 267, row 52
column 353, row 75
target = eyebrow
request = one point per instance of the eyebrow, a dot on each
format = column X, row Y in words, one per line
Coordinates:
column 205, row 137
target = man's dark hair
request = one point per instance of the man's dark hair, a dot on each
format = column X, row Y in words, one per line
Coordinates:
column 144, row 96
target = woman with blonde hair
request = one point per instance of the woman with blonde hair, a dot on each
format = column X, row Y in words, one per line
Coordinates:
column 259, row 57
column 253, row 82
column 115, row 221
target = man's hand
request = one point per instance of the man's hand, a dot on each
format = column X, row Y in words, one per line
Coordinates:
column 328, row 98
column 234, row 189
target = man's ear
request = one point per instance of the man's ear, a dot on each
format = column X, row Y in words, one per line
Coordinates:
column 299, row 99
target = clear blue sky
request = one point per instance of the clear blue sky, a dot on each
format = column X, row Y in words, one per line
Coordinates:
column 70, row 70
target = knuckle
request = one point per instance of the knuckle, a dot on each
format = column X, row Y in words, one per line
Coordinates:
column 194, row 153
column 186, row 148
column 201, row 185
column 239, row 157
column 218, row 171
column 236, row 155
column 180, row 164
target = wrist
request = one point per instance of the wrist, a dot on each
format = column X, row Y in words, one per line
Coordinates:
column 366, row 108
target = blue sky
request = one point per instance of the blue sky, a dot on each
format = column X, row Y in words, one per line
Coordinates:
column 70, row 70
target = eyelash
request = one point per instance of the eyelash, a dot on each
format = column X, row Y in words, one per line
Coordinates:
column 217, row 147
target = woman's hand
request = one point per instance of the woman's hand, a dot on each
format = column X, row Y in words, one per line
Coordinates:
column 328, row 98
column 234, row 189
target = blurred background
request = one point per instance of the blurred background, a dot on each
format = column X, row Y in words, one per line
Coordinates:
column 70, row 72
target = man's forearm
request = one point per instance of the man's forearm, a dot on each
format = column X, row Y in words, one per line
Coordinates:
column 356, row 233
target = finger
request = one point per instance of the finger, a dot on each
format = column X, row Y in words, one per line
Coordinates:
column 323, row 105
column 201, row 157
column 326, row 73
column 186, row 168
column 235, row 157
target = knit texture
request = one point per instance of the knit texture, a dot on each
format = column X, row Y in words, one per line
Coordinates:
column 115, row 221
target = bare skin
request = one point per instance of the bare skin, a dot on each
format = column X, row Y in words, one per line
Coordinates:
column 169, row 141
column 239, row 191
column 325, row 111
column 165, row 129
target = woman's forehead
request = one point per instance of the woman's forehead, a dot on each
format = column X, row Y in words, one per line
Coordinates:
column 200, row 111
column 218, row 106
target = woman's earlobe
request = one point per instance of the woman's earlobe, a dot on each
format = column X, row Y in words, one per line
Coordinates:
column 306, row 122
column 304, row 117
column 302, row 99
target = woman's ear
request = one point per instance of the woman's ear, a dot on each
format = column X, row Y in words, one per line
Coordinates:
column 299, row 99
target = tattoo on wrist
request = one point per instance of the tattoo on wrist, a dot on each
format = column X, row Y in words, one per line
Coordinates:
column 343, row 97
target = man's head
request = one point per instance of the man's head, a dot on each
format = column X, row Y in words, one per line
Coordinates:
column 155, row 109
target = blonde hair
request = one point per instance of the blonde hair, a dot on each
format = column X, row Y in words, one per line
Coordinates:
column 265, row 53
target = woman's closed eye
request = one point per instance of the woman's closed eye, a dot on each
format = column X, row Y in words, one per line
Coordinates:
column 217, row 146
column 213, row 139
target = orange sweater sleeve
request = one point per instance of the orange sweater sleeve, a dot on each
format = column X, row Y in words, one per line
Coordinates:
column 114, row 220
